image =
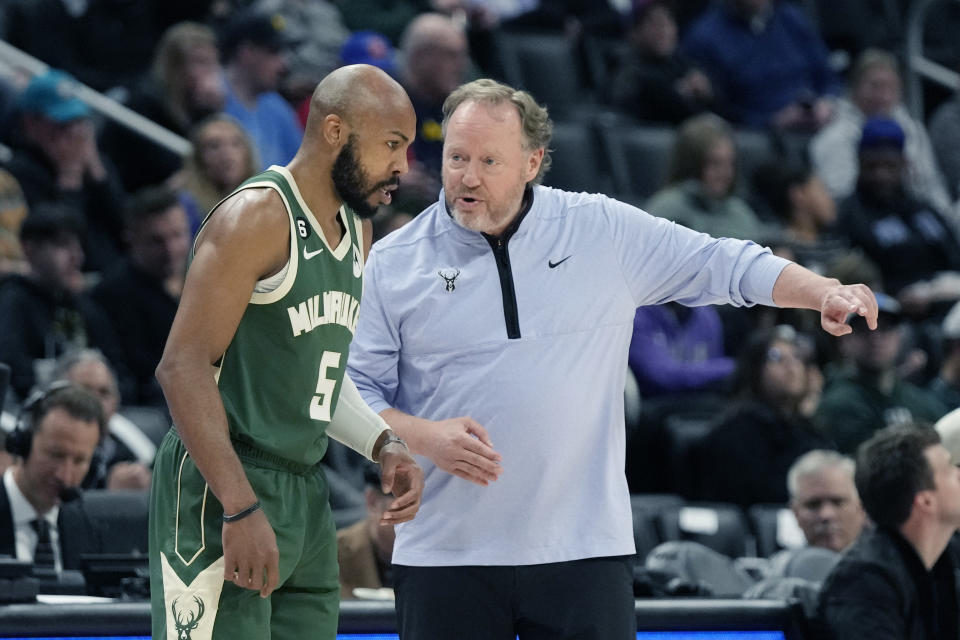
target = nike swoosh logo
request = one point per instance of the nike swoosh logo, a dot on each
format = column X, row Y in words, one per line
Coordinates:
column 554, row 265
column 309, row 254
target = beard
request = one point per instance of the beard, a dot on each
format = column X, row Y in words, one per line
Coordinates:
column 352, row 183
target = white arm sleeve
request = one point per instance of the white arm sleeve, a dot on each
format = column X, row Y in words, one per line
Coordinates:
column 354, row 423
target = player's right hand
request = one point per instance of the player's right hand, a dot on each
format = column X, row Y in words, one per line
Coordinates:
column 250, row 554
column 462, row 447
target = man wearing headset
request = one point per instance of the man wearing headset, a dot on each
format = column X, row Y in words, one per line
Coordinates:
column 53, row 443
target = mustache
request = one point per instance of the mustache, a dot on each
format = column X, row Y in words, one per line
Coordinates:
column 468, row 193
column 392, row 182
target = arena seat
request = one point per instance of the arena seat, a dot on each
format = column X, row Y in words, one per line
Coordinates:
column 754, row 148
column 549, row 67
column 775, row 528
column 721, row 527
column 577, row 164
column 684, row 432
column 638, row 156
column 603, row 56
column 151, row 421
column 120, row 517
column 646, row 508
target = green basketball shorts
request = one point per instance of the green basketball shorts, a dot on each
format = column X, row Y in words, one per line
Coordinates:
column 190, row 599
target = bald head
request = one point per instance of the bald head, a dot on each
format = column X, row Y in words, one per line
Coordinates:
column 428, row 28
column 435, row 56
column 355, row 93
column 360, row 126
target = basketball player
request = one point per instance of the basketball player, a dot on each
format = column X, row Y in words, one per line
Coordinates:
column 242, row 540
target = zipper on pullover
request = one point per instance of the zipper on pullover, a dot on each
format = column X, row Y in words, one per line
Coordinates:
column 508, row 293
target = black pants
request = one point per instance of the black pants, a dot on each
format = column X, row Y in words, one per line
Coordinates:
column 589, row 599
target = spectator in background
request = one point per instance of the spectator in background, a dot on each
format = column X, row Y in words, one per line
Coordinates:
column 700, row 189
column 44, row 312
column 434, row 61
column 946, row 386
column 654, row 82
column 125, row 453
column 362, row 47
column 369, row 47
column 254, row 49
column 140, row 294
column 104, row 43
column 824, row 499
column 876, row 92
column 797, row 197
column 364, row 549
column 389, row 17
column 896, row 581
column 945, row 137
column 39, row 521
column 13, row 210
column 184, row 86
column 745, row 458
column 767, row 64
column 57, row 160
column 905, row 236
column 677, row 350
column 869, row 393
column 317, row 31
column 223, row 157
column 387, row 221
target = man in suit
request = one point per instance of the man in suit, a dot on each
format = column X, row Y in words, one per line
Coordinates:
column 53, row 445
column 364, row 549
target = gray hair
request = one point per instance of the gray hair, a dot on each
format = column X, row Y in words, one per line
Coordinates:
column 814, row 462
column 534, row 120
column 66, row 362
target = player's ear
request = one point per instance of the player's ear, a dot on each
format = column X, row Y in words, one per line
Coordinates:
column 335, row 130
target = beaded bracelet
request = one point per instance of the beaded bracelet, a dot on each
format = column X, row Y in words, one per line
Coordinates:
column 240, row 515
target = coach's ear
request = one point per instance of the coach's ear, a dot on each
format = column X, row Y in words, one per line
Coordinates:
column 534, row 160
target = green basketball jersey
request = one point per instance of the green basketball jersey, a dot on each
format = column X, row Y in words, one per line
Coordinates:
column 280, row 377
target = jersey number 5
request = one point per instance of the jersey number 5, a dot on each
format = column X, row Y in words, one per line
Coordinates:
column 320, row 404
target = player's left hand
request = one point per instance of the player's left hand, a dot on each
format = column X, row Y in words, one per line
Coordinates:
column 841, row 301
column 402, row 476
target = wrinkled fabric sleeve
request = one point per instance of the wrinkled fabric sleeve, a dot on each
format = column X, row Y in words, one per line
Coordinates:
column 662, row 261
column 375, row 351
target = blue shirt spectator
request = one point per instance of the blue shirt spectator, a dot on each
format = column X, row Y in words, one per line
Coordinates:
column 272, row 124
column 767, row 63
column 255, row 47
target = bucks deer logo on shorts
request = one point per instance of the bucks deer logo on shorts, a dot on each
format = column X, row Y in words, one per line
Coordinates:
column 186, row 620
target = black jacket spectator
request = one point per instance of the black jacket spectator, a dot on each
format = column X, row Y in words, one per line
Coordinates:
column 141, row 312
column 746, row 457
column 100, row 203
column 880, row 590
column 907, row 238
column 37, row 323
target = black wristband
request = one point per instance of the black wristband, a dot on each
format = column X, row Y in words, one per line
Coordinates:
column 240, row 515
